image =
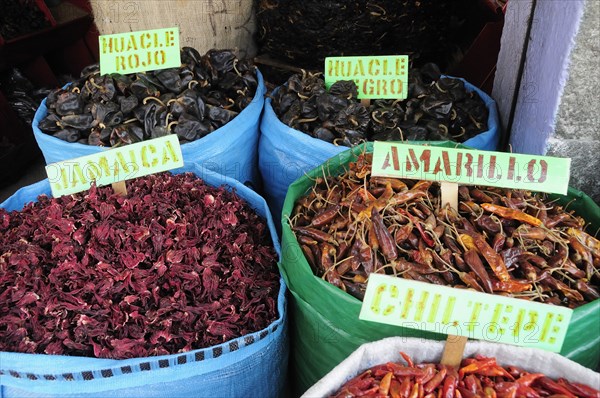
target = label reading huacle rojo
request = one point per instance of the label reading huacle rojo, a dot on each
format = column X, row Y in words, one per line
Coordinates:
column 383, row 76
column 114, row 165
column 468, row 166
column 139, row 51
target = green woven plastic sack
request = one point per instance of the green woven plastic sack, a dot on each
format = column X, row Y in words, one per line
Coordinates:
column 325, row 327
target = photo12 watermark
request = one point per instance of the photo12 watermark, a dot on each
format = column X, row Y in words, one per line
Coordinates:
column 114, row 165
column 461, row 312
column 472, row 167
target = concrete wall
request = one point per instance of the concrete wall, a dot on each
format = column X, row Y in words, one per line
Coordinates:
column 553, row 27
column 550, row 102
column 577, row 128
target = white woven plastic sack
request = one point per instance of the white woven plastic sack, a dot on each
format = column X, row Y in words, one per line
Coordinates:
column 254, row 365
column 422, row 350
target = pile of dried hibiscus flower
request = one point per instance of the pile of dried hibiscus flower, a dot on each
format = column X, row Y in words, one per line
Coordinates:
column 174, row 266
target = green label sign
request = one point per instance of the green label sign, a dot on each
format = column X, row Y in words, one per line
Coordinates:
column 140, row 51
column 376, row 77
column 114, row 165
column 466, row 166
column 461, row 312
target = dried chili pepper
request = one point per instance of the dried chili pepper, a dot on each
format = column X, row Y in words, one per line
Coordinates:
column 193, row 100
column 477, row 377
column 511, row 214
column 401, row 229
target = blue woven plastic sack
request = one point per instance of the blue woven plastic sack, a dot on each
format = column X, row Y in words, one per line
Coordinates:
column 285, row 154
column 254, row 365
column 230, row 150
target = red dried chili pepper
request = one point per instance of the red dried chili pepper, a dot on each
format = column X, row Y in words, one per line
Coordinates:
column 325, row 216
column 315, row 234
column 387, row 243
column 494, row 260
column 579, row 389
column 436, row 380
column 472, row 260
column 511, row 214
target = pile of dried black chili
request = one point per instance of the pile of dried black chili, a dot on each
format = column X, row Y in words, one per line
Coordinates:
column 437, row 108
column 202, row 95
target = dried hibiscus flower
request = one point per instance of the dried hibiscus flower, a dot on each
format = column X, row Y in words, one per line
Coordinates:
column 174, row 266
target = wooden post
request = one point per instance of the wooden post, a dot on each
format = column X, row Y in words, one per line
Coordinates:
column 453, row 351
column 450, row 194
column 455, row 345
column 120, row 188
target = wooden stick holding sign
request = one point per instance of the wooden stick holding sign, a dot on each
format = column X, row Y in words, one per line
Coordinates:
column 454, row 350
column 466, row 313
column 455, row 345
column 115, row 166
column 120, row 188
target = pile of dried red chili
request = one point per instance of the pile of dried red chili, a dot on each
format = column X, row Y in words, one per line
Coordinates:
column 477, row 377
column 500, row 241
column 175, row 265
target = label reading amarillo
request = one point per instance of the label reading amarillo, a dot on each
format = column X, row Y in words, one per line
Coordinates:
column 467, row 166
column 375, row 76
column 427, row 307
column 139, row 51
column 114, row 165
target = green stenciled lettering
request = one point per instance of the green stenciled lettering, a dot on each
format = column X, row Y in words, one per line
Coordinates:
column 448, row 310
column 421, row 305
column 333, row 67
column 133, row 60
column 120, row 63
column 144, row 156
column 546, row 327
column 374, row 67
column 103, row 166
column 396, row 87
column 394, row 294
column 120, row 164
column 476, row 312
column 518, row 323
column 92, row 171
column 382, row 87
column 346, row 68
column 143, row 43
column 435, row 306
column 170, row 38
column 408, row 301
column 169, row 154
column 359, row 69
column 131, row 43
column 375, row 305
column 119, row 44
column 107, row 45
column 63, row 182
column 368, row 88
column 77, row 176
